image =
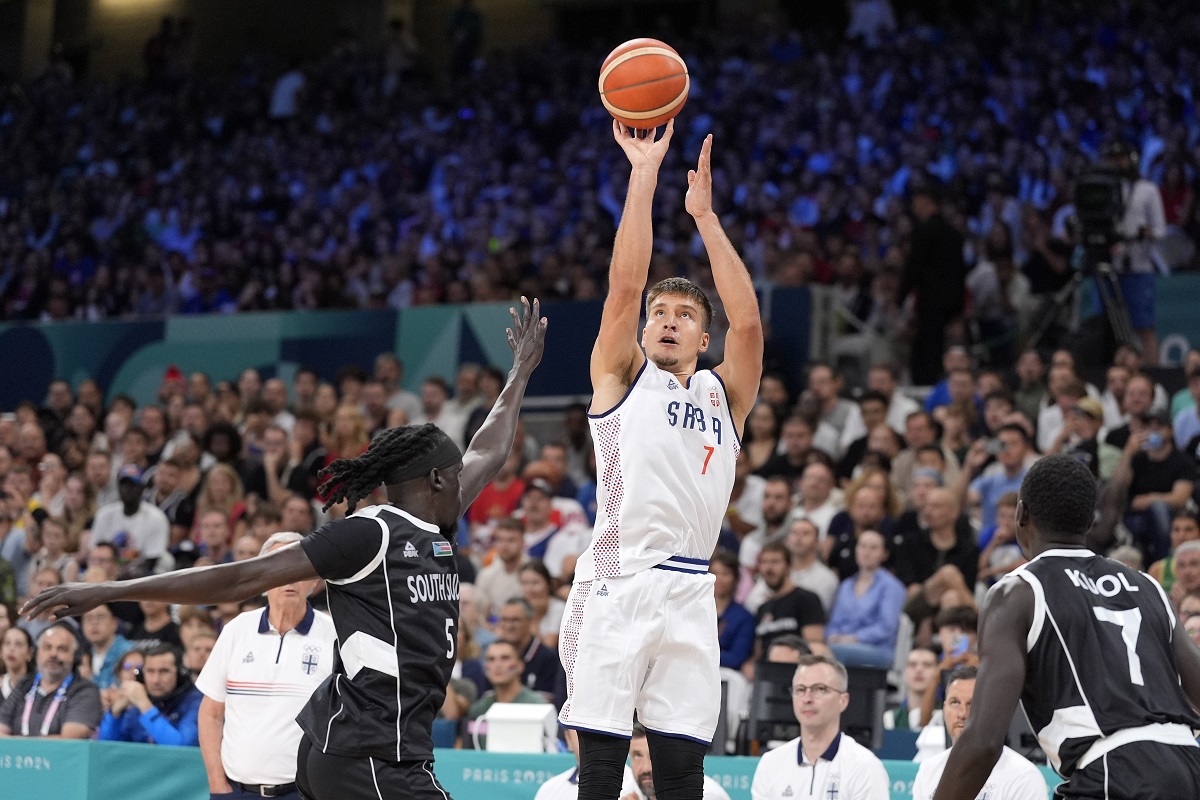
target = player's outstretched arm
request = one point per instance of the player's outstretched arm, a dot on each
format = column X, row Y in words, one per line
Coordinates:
column 1003, row 627
column 223, row 583
column 492, row 444
column 742, row 367
column 616, row 357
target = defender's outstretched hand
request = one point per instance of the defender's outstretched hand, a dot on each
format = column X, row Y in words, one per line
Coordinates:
column 699, row 194
column 66, row 600
column 527, row 336
column 645, row 152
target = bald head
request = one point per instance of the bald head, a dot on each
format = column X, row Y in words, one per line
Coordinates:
column 941, row 508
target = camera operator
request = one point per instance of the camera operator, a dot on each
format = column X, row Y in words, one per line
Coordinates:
column 1144, row 224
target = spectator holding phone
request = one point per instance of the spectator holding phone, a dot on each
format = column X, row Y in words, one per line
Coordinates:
column 1161, row 481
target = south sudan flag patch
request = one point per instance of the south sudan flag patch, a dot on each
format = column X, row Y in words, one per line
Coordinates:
column 441, row 549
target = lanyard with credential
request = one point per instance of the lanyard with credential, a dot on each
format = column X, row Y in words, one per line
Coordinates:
column 51, row 711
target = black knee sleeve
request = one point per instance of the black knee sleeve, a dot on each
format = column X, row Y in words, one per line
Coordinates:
column 601, row 765
column 678, row 767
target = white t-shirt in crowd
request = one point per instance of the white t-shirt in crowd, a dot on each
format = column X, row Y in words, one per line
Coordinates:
column 820, row 516
column 571, row 540
column 818, row 579
column 147, row 531
column 495, row 585
column 1013, row 778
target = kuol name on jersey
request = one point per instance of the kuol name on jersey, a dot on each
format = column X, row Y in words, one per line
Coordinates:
column 1104, row 586
column 432, row 587
column 686, row 415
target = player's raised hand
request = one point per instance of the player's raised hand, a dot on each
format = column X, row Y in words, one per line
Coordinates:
column 644, row 152
column 527, row 336
column 699, row 194
column 65, row 600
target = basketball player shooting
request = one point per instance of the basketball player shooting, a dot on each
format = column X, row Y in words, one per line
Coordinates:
column 1094, row 649
column 640, row 633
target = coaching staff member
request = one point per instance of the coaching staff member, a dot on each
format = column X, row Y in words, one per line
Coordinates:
column 264, row 667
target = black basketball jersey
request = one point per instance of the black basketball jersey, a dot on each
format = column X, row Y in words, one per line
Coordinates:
column 393, row 595
column 1100, row 656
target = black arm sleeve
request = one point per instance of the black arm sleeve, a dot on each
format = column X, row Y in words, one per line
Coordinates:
column 341, row 549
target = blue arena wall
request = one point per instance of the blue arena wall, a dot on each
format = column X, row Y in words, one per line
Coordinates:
column 130, row 356
column 49, row 769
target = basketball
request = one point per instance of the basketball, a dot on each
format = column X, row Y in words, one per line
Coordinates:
column 643, row 83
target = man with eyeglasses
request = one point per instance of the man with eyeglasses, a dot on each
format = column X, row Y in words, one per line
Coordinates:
column 1013, row 777
column 821, row 763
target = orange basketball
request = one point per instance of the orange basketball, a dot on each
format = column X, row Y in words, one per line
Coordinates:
column 643, row 83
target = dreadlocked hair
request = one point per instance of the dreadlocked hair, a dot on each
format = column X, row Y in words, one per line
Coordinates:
column 353, row 479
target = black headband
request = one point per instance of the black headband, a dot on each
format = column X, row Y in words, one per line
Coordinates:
column 444, row 456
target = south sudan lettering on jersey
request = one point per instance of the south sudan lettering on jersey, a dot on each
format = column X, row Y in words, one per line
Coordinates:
column 432, row 588
column 393, row 595
column 665, row 461
column 1100, row 658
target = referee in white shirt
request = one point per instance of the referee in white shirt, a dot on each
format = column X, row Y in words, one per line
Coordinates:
column 822, row 764
column 1013, row 778
column 264, row 667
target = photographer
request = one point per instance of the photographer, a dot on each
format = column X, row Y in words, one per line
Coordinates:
column 159, row 705
column 1142, row 226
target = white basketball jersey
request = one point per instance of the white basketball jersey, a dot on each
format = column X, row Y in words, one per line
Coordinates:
column 665, row 461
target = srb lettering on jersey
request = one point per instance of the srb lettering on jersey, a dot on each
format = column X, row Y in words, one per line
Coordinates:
column 1104, row 586
column 432, row 587
column 686, row 415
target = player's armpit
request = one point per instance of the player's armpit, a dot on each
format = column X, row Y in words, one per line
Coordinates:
column 1003, row 627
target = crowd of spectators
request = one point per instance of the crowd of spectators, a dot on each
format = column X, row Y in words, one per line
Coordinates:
column 358, row 181
column 868, row 529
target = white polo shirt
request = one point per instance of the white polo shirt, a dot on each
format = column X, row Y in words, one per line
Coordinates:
column 1013, row 778
column 264, row 679
column 565, row 786
column 846, row 771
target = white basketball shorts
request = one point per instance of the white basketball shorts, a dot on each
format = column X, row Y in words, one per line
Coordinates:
column 644, row 642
